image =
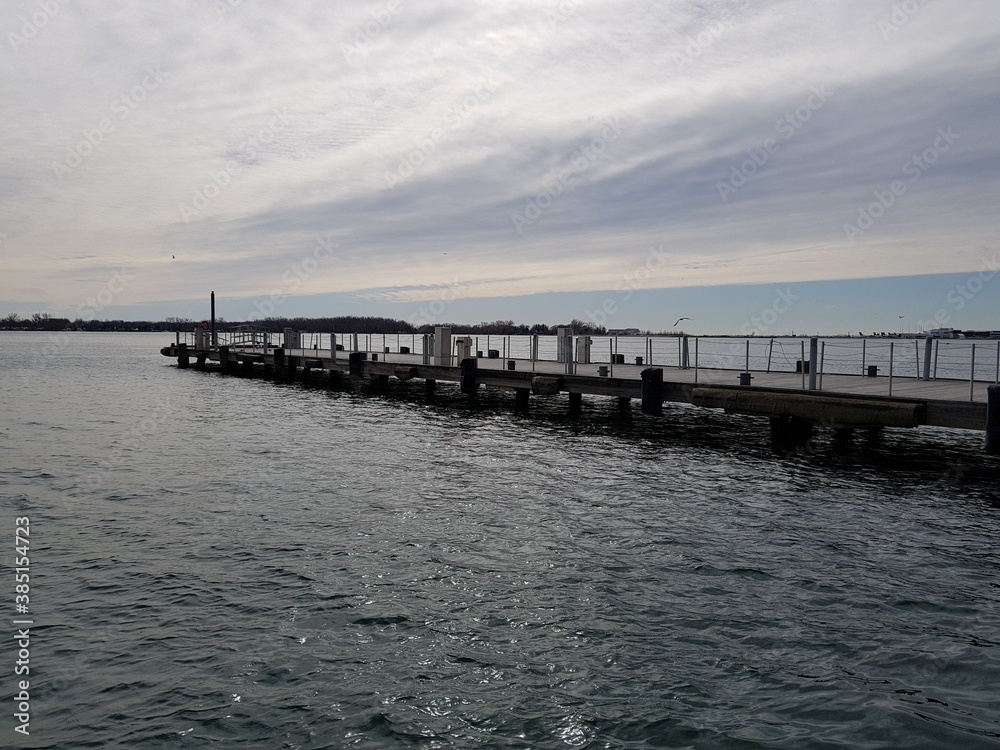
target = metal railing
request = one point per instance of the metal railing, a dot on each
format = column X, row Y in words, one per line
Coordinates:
column 976, row 361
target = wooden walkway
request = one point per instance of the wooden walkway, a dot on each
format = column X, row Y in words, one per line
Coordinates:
column 840, row 401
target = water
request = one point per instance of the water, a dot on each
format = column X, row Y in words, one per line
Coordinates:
column 226, row 562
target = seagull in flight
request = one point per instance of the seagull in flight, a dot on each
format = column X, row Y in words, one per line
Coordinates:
column 680, row 319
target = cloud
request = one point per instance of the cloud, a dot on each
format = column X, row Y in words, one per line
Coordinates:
column 233, row 135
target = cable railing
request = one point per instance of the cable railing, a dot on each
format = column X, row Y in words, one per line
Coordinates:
column 975, row 361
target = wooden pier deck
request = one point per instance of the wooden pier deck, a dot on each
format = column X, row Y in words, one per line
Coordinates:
column 842, row 402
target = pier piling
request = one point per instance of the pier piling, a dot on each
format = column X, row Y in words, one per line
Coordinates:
column 790, row 433
column 846, row 401
column 575, row 403
column 522, row 399
column 469, row 385
column 652, row 391
column 379, row 384
column 993, row 420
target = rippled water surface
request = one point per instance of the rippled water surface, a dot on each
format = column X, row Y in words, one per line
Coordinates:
column 228, row 562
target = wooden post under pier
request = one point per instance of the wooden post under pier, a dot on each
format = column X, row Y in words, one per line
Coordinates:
column 847, row 401
column 993, row 420
column 469, row 384
column 575, row 402
column 378, row 384
column 522, row 398
column 652, row 391
column 790, row 433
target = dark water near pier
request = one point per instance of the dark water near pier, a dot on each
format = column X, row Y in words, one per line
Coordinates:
column 237, row 563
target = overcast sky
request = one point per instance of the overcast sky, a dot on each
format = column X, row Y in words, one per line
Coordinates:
column 538, row 161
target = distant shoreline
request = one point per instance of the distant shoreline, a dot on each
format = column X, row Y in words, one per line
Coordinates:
column 461, row 330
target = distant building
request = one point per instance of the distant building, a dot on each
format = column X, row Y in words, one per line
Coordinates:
column 623, row 331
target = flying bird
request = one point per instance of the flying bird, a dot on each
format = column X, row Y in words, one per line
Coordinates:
column 680, row 319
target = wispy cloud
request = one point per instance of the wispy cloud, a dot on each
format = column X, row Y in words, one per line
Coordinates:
column 475, row 111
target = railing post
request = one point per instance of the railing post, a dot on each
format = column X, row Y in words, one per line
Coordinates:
column 695, row 360
column 927, row 358
column 770, row 349
column 802, row 359
column 972, row 374
column 892, row 346
column 747, row 364
column 685, row 355
column 812, row 362
column 822, row 358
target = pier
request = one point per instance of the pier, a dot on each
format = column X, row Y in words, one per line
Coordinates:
column 804, row 387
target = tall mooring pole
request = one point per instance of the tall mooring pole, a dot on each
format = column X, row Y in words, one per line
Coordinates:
column 215, row 337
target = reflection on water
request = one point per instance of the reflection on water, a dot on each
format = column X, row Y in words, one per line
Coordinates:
column 275, row 565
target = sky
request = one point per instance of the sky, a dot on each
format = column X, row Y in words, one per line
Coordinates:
column 761, row 165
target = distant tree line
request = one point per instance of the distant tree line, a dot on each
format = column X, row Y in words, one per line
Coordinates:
column 47, row 322
column 357, row 324
column 339, row 324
